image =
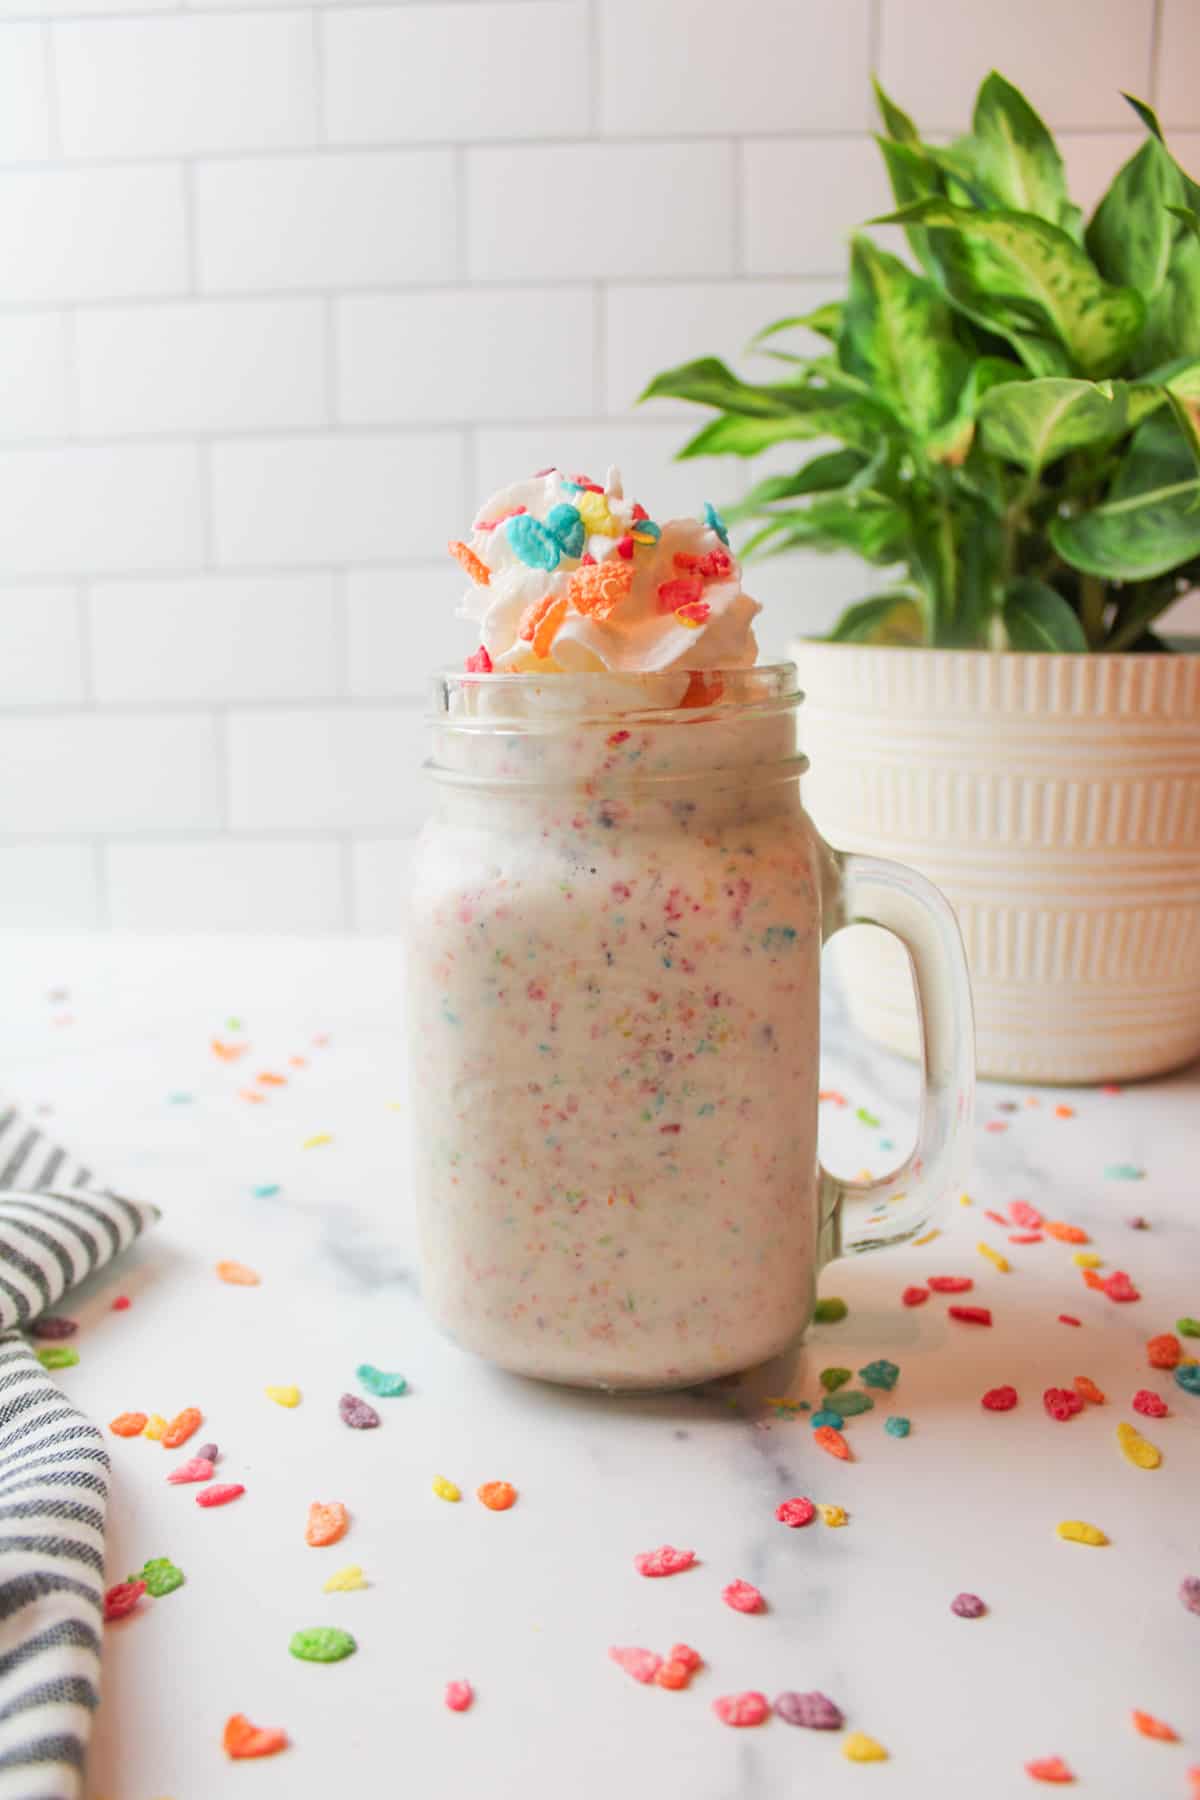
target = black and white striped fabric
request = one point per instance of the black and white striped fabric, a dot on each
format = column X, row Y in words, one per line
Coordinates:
column 55, row 1228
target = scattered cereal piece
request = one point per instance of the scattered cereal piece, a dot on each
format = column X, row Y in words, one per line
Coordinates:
column 914, row 1296
column 643, row 1665
column 498, row 1496
column 968, row 1606
column 380, row 1382
column 1076, row 1531
column 238, row 1275
column 283, row 1396
column 866, row 1117
column 826, row 1415
column 1187, row 1376
column 1064, row 1112
column 1087, row 1259
column 994, row 1257
column 58, row 1356
column 355, row 1412
column 673, row 1675
column 1049, row 1768
column 1061, row 1403
column 796, row 1512
column 858, row 1747
column 120, row 1600
column 828, row 1312
column 880, row 1374
column 197, row 1468
column 220, row 1494
column 53, row 1328
column 1068, row 1319
column 743, row 1597
column 1025, row 1237
column 327, row 1523
column 1088, row 1390
column 446, row 1490
column 345, row 1581
column 1149, row 1404
column 1188, row 1327
column 815, row 1711
column 474, row 565
column 1164, row 1351
column 241, row 1739
column 832, row 1379
column 160, row 1577
column 664, row 1561
column 1138, row 1223
column 827, row 1438
column 971, row 1315
column 897, row 1426
column 833, row 1516
column 156, row 1425
column 1066, row 1234
column 749, row 1708
column 207, row 1453
column 1000, row 1399
column 122, row 1303
column 322, row 1644
column 315, row 1142
column 183, row 1426
column 128, row 1424
column 850, row 1403
column 929, row 1235
column 1189, row 1592
column 1119, row 1287
column 459, row 1695
column 1137, row 1449
column 950, row 1284
column 266, row 1190
column 597, row 589
column 1151, row 1727
column 1124, row 1172
column 1021, row 1213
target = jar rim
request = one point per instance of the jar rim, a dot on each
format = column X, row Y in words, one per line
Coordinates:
column 534, row 702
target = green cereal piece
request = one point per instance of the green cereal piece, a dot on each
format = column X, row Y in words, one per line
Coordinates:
column 58, row 1356
column 322, row 1644
column 380, row 1383
column 160, row 1576
column 852, row 1402
column 832, row 1379
column 880, row 1374
column 828, row 1312
column 1188, row 1327
column 866, row 1117
column 896, row 1426
column 1124, row 1172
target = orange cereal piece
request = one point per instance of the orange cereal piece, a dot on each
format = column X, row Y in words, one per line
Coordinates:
column 228, row 1052
column 238, row 1275
column 128, row 1425
column 181, row 1427
column 497, row 1496
column 1092, row 1280
column 547, row 627
column 597, row 589
column 672, row 1675
column 1151, row 1727
column 241, row 1739
column 1087, row 1390
column 327, row 1522
column 1066, row 1234
column 1164, row 1352
column 702, row 689
column 463, row 554
column 1064, row 1112
column 267, row 1079
column 831, row 1441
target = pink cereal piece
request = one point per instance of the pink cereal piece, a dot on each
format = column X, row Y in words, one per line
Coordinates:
column 459, row 1695
column 1026, row 1237
column 914, row 1296
column 664, row 1561
column 220, row 1494
column 1061, row 1403
column 683, row 1653
column 479, row 662
column 971, row 1315
column 1021, row 1213
column 643, row 1665
column 796, row 1512
column 749, row 1708
column 743, row 1597
column 950, row 1284
column 1119, row 1287
column 1150, row 1404
column 1069, row 1319
column 198, row 1468
column 995, row 1217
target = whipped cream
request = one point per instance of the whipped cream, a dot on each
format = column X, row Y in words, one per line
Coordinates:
column 568, row 576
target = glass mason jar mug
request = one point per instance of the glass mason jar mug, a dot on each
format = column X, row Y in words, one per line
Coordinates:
column 615, row 931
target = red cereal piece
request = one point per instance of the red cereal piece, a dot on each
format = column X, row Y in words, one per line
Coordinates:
column 1061, row 1403
column 121, row 1599
column 694, row 613
column 672, row 1674
column 459, row 1695
column 463, row 554
column 122, row 1303
column 1021, row 1213
column 1026, row 1237
column 182, row 1427
column 1000, row 1399
column 1087, row 1390
column 220, row 1494
column 1149, row 1404
column 678, row 591
column 242, row 1740
column 130, row 1424
column 643, row 1665
column 1049, row 1768
column 749, row 1708
column 743, row 1597
column 1119, row 1287
column 625, row 547
column 796, row 1512
column 703, row 689
column 1068, row 1319
column 1066, row 1234
column 914, row 1296
column 683, row 1653
column 950, row 1284
column 1151, row 1727
column 971, row 1315
column 832, row 1442
column 716, row 565
column 480, row 663
column 995, row 1217
column 639, row 512
column 1164, row 1351
column 664, row 1561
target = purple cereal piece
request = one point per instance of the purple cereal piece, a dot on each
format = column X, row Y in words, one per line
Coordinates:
column 357, row 1414
column 1138, row 1223
column 51, row 1326
column 1189, row 1592
column 207, row 1453
column 816, row 1711
column 968, row 1606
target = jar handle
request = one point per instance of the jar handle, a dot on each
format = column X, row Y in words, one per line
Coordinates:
column 869, row 1215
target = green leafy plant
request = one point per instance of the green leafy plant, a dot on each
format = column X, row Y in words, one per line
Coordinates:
column 1016, row 411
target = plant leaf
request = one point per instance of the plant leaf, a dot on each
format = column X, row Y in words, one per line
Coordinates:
column 1173, row 324
column 898, row 336
column 825, row 320
column 708, row 382
column 820, row 476
column 1158, row 456
column 884, row 619
column 1038, row 618
column 1035, row 422
column 851, row 420
column 1136, row 537
column 1015, row 154
column 897, row 122
column 874, row 525
column 1131, row 234
column 914, row 177
column 1025, row 279
column 953, row 442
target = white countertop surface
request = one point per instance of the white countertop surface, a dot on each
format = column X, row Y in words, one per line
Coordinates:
column 113, row 1037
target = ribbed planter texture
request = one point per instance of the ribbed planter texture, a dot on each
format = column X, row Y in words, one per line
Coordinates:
column 1056, row 801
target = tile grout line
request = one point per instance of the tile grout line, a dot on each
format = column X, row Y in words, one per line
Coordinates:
column 53, row 111
column 219, row 717
column 874, row 36
column 87, row 658
column 345, row 842
column 1156, row 43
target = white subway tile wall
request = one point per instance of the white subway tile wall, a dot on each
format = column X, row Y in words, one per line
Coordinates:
column 285, row 287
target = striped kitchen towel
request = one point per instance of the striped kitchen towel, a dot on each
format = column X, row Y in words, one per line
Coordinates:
column 55, row 1228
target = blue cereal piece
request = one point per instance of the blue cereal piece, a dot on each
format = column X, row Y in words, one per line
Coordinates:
column 565, row 526
column 850, row 1402
column 536, row 547
column 1187, row 1375
column 1124, row 1172
column 879, row 1374
column 715, row 522
column 645, row 531
column 827, row 1416
column 896, row 1426
column 380, row 1383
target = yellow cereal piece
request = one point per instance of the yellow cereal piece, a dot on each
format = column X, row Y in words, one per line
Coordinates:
column 833, row 1515
column 1137, row 1449
column 345, row 1581
column 283, row 1396
column 446, row 1490
column 593, row 510
column 928, row 1238
column 965, row 1200
column 1077, row 1532
column 994, row 1257
column 154, row 1427
column 858, row 1747
column 318, row 1138
column 1087, row 1259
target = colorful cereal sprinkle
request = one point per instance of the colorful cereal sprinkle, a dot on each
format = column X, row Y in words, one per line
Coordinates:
column 220, row 1494
column 242, row 1740
column 58, row 1356
column 1124, row 1172
column 914, row 1296
column 1049, row 1768
column 897, row 1426
column 328, row 1521
column 994, row 1257
column 749, row 1708
column 1077, row 1531
column 345, row 1581
column 1188, row 1327
column 643, row 1665
column 1120, row 1288
column 183, row 1426
column 1150, row 1727
column 879, row 1374
column 321, row 1644
column 1137, row 1449
column 851, row 1402
column 159, row 1577
column 236, row 1274
column 382, row 1383
column 816, row 1712
column 1149, row 1404
column 828, row 1312
column 664, row 1561
column 971, row 1315
column 446, row 1490
column 796, row 1512
column 829, row 1439
column 52, row 1328
column 156, row 1425
column 128, row 1424
column 355, row 1412
column 832, row 1379
column 858, row 1747
column 1164, row 1351
column 1087, row 1390
column 951, row 1284
column 833, row 1516
column 827, row 1416
column 1000, row 1399
column 458, row 1695
column 1061, row 1403
column 743, row 1597
column 197, row 1468
column 498, row 1496
column 1187, row 1376
column 1189, row 1593
column 120, row 1600
column 283, row 1396
column 967, row 1606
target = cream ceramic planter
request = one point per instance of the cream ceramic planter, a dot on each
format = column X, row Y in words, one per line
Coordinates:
column 1056, row 801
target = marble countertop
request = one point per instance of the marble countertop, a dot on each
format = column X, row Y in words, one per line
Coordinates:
column 112, row 1039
